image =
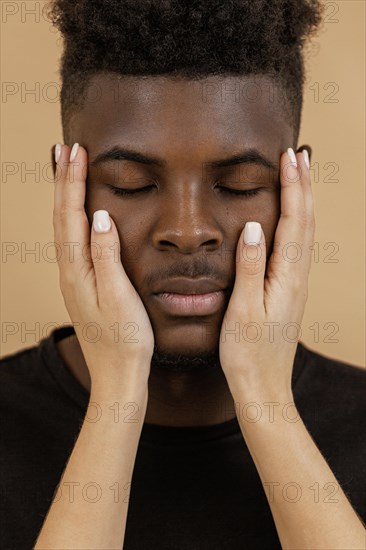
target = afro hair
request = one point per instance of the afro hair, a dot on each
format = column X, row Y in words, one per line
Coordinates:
column 189, row 39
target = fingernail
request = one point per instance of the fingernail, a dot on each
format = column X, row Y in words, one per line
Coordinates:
column 252, row 233
column 58, row 151
column 101, row 221
column 74, row 151
column 306, row 157
column 292, row 156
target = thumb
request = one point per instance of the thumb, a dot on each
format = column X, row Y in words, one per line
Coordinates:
column 250, row 267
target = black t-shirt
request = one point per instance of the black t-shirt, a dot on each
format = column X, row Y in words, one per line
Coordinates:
column 193, row 488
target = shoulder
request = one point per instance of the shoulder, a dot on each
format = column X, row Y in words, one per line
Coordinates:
column 330, row 397
column 324, row 372
column 330, row 392
column 22, row 380
column 19, row 362
column 37, row 361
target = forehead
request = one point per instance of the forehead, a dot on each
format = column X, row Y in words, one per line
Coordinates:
column 158, row 111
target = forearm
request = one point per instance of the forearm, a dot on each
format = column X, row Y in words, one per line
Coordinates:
column 309, row 508
column 94, row 516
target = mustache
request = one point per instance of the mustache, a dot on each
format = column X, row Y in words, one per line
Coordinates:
column 195, row 268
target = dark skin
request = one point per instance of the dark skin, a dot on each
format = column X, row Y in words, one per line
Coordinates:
column 184, row 225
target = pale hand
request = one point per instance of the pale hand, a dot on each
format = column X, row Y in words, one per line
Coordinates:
column 267, row 311
column 102, row 302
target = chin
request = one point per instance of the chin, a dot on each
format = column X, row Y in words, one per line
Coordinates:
column 189, row 340
column 175, row 355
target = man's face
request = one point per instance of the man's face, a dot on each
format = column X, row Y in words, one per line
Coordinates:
column 185, row 224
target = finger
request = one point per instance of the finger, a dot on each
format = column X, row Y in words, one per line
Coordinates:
column 287, row 263
column 72, row 231
column 62, row 165
column 303, row 161
column 304, row 167
column 113, row 284
column 248, row 291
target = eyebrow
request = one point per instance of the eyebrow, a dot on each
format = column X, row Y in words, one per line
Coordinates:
column 249, row 156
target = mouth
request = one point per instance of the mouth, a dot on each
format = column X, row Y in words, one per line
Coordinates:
column 208, row 303
column 191, row 296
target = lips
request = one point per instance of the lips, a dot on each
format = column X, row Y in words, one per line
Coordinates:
column 191, row 297
column 190, row 286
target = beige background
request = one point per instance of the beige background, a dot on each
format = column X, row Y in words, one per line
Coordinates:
column 333, row 124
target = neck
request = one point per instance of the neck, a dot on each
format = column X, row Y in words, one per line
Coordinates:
column 189, row 399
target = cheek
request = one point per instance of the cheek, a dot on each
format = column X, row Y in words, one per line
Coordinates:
column 265, row 209
column 131, row 227
column 133, row 232
column 100, row 198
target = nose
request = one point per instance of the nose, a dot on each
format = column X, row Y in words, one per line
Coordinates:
column 187, row 223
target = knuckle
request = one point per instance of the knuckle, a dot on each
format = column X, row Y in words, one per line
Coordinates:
column 63, row 213
column 297, row 284
column 253, row 269
column 66, row 210
column 303, row 220
column 66, row 280
column 103, row 255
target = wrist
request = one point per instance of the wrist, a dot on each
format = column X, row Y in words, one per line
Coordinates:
column 241, row 390
column 123, row 390
column 116, row 407
column 255, row 409
column 261, row 396
column 111, row 379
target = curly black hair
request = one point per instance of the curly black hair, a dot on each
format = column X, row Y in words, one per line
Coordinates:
column 184, row 38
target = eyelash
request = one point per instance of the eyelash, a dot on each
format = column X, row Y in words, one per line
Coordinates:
column 128, row 192
column 247, row 193
column 123, row 192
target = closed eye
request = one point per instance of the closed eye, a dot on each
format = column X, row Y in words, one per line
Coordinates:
column 245, row 193
column 119, row 191
column 124, row 192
